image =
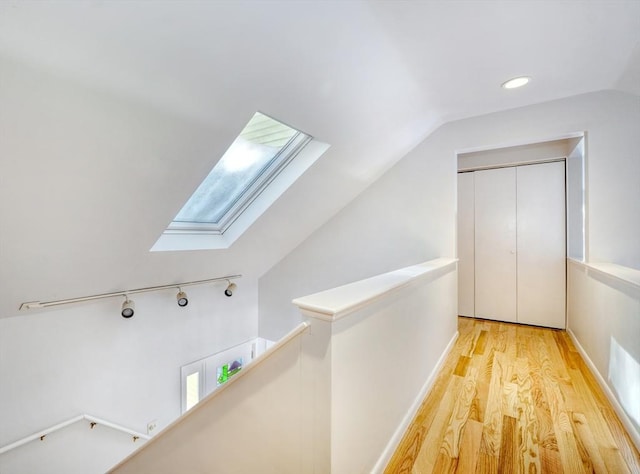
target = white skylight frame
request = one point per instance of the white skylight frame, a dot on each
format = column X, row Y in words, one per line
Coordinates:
column 278, row 163
column 288, row 165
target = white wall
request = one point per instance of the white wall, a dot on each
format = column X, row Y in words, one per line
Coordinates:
column 89, row 178
column 604, row 317
column 408, row 215
column 59, row 363
column 575, row 202
column 610, row 120
column 613, row 174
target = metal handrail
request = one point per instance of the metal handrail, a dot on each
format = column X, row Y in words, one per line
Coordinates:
column 93, row 421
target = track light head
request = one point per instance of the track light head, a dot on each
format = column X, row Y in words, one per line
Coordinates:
column 230, row 289
column 128, row 308
column 181, row 297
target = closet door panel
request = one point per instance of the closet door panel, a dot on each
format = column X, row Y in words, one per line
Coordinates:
column 495, row 244
column 541, row 244
column 466, row 270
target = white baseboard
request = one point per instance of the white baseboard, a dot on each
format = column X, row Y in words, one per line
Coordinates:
column 394, row 442
column 633, row 433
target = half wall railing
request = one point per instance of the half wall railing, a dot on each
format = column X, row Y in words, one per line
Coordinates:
column 334, row 396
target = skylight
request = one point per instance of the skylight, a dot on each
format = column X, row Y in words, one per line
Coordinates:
column 262, row 151
column 263, row 147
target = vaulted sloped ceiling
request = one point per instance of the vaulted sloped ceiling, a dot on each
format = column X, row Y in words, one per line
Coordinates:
column 111, row 113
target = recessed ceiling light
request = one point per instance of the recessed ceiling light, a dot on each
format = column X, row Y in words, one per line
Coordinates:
column 516, row 82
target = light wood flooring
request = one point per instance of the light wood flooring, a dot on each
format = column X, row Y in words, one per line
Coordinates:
column 514, row 399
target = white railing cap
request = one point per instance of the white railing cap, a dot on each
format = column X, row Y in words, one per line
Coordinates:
column 335, row 303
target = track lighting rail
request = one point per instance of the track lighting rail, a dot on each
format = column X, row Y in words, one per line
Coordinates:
column 124, row 293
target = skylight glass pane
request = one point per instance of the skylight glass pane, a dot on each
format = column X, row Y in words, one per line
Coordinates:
column 249, row 156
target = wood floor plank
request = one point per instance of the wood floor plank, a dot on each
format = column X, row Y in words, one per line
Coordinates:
column 462, row 366
column 483, row 362
column 565, row 348
column 481, row 343
column 541, row 369
column 591, row 457
column 470, row 447
column 487, row 463
column 547, row 441
column 467, row 340
column 550, row 461
column 510, row 333
column 476, row 411
column 522, row 341
column 591, row 410
column 510, row 399
column 524, row 402
column 492, row 431
column 567, row 447
column 430, row 448
column 460, row 415
column 445, row 464
column 559, row 367
column 508, row 461
column 527, row 422
column 614, row 461
column 627, row 449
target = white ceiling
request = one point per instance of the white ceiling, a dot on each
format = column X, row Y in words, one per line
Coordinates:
column 86, row 199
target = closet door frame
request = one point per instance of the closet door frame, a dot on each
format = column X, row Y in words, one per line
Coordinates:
column 559, row 320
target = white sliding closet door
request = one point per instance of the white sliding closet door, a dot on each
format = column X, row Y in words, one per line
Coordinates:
column 541, row 244
column 466, row 252
column 495, row 244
